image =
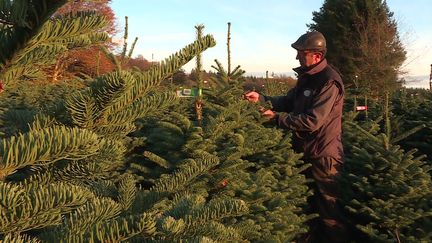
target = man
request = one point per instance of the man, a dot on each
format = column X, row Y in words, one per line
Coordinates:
column 313, row 111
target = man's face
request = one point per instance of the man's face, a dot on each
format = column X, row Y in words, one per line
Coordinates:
column 308, row 58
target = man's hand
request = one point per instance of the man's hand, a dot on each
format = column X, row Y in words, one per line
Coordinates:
column 267, row 113
column 251, row 96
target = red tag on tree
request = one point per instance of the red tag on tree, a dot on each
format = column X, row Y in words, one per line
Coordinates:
column 361, row 108
column 223, row 183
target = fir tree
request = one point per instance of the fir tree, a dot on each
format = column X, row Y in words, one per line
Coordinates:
column 413, row 106
column 61, row 180
column 363, row 41
column 251, row 163
column 387, row 190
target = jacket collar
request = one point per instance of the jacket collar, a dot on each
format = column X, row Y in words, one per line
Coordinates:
column 312, row 69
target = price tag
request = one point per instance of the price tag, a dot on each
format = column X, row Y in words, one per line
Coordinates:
column 193, row 92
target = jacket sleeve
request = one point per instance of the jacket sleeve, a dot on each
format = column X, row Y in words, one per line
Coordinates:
column 282, row 103
column 313, row 118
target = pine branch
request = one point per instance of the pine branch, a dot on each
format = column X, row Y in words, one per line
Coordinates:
column 132, row 48
column 125, row 37
column 142, row 107
column 115, row 131
column 80, row 223
column 368, row 134
column 19, row 238
column 28, row 18
column 45, row 147
column 198, row 67
column 143, row 226
column 103, row 165
column 85, row 40
column 65, row 29
column 180, row 179
column 181, row 120
column 407, row 134
column 171, row 64
column 54, row 37
column 32, row 207
column 127, row 191
column 157, row 159
column 117, row 99
column 216, row 210
column 99, row 166
column 214, row 231
column 183, row 204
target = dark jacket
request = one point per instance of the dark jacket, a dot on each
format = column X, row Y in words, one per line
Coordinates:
column 313, row 111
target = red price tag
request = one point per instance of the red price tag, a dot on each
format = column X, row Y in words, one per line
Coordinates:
column 361, row 108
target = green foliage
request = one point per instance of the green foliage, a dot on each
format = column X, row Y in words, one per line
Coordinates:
column 17, row 238
column 31, row 207
column 114, row 101
column 64, row 171
column 21, row 20
column 233, row 156
column 123, row 57
column 198, row 67
column 225, row 89
column 54, row 37
column 413, row 106
column 229, row 78
column 41, row 147
column 275, row 87
column 180, row 180
column 118, row 158
column 387, row 189
column 258, row 166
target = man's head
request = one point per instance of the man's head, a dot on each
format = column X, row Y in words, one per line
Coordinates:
column 311, row 48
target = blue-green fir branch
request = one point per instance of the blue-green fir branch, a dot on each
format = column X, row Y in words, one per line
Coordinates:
column 19, row 238
column 23, row 21
column 216, row 210
column 54, row 38
column 46, row 146
column 33, row 207
column 157, row 159
column 180, row 178
column 81, row 222
column 127, row 191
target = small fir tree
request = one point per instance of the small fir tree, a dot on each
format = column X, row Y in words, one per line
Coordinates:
column 387, row 190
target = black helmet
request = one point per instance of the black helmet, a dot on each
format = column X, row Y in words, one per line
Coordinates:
column 313, row 41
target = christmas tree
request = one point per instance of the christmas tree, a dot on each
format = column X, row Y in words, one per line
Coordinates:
column 62, row 177
column 413, row 106
column 254, row 163
column 387, row 189
column 79, row 163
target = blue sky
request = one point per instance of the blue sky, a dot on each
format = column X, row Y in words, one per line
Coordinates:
column 261, row 31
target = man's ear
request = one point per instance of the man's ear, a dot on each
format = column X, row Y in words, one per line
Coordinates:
column 318, row 56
